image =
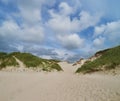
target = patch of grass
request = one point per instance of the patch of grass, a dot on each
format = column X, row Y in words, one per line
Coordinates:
column 56, row 66
column 111, row 66
column 33, row 61
column 29, row 60
column 7, row 60
column 109, row 60
column 2, row 54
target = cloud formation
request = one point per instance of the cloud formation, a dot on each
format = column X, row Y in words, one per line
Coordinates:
column 10, row 29
column 111, row 31
column 71, row 41
column 98, row 41
column 60, row 29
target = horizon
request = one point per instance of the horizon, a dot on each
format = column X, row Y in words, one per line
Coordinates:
column 59, row 29
column 68, row 61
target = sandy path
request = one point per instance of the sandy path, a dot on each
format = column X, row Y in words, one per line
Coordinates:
column 62, row 86
column 68, row 68
column 21, row 65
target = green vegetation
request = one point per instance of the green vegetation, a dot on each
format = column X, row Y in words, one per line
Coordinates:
column 7, row 60
column 29, row 60
column 56, row 66
column 53, row 60
column 110, row 59
column 2, row 54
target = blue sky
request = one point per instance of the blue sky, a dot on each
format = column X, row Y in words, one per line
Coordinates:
column 60, row 29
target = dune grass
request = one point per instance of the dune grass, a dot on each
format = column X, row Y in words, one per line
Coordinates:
column 7, row 60
column 32, row 61
column 28, row 59
column 56, row 66
column 109, row 60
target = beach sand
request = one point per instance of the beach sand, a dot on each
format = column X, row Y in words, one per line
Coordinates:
column 58, row 86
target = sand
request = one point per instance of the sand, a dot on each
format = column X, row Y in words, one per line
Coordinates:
column 58, row 86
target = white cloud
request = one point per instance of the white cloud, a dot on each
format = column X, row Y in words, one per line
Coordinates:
column 30, row 10
column 34, row 34
column 61, row 25
column 63, row 54
column 71, row 41
column 99, row 30
column 88, row 20
column 60, row 53
column 110, row 30
column 64, row 29
column 60, row 22
column 10, row 30
column 30, row 29
column 65, row 9
column 30, row 16
column 98, row 41
column 46, row 57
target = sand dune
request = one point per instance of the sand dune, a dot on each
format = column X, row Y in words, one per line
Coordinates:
column 58, row 86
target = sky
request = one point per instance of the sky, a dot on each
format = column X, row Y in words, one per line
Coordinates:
column 59, row 29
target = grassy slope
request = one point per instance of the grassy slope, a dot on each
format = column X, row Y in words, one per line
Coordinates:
column 7, row 60
column 109, row 60
column 33, row 61
column 29, row 60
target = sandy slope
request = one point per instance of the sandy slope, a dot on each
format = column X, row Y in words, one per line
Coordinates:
column 21, row 65
column 62, row 86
